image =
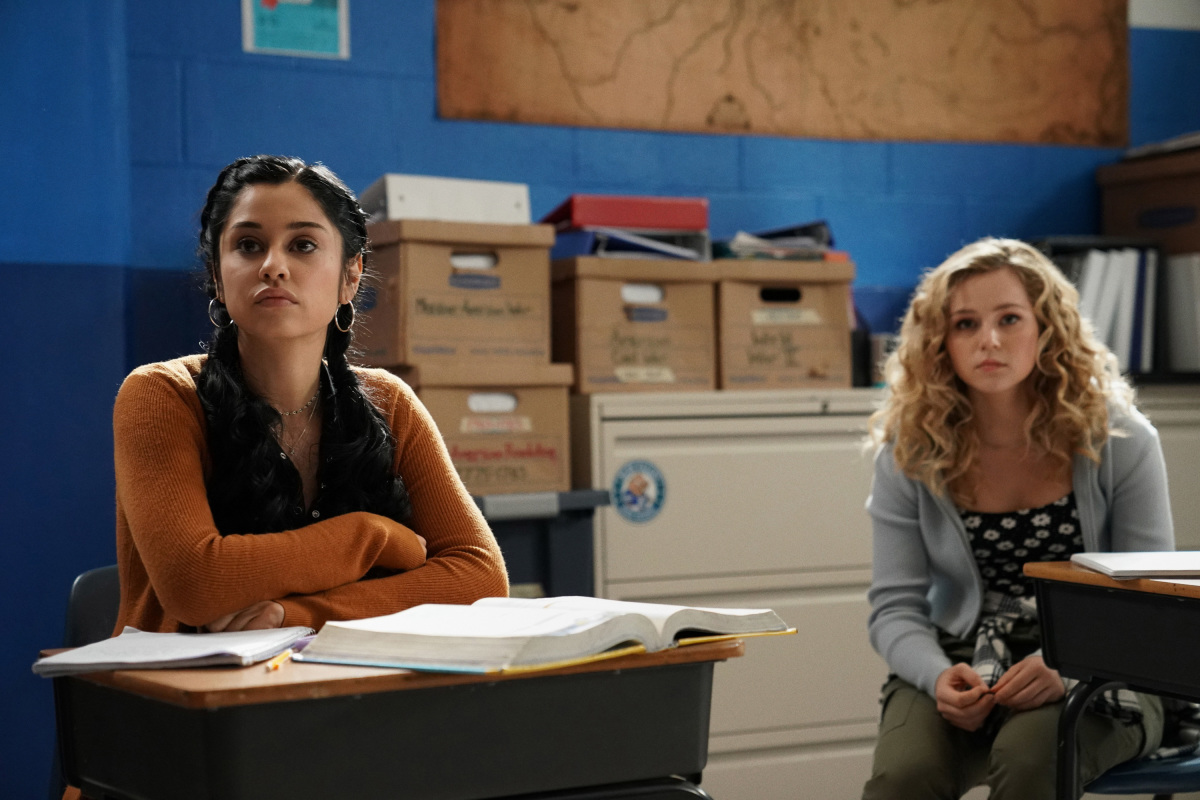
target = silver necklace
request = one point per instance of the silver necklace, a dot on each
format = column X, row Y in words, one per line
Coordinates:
column 311, row 400
column 291, row 450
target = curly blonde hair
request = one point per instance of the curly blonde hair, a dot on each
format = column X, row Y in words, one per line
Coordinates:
column 927, row 414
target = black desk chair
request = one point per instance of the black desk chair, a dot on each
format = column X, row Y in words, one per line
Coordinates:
column 91, row 616
column 1160, row 778
column 92, row 607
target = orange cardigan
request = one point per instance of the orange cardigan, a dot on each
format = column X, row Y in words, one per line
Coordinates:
column 177, row 571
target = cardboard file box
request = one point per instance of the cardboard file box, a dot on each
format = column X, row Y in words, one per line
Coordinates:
column 396, row 196
column 505, row 437
column 784, row 324
column 457, row 293
column 1154, row 198
column 635, row 324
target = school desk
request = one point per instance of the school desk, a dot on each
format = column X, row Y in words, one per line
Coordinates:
column 1105, row 633
column 325, row 731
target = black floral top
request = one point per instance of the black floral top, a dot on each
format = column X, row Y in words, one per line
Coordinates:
column 1003, row 542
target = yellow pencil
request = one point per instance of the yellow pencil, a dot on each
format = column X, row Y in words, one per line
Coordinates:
column 276, row 662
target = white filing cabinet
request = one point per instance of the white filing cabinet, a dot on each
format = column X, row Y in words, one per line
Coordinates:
column 762, row 506
column 1175, row 411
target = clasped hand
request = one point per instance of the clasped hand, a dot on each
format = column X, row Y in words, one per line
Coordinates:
column 260, row 616
column 965, row 701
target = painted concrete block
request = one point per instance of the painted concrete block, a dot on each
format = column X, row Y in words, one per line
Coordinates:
column 155, row 110
column 235, row 110
column 816, row 165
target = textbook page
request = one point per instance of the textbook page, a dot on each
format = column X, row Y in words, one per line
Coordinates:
column 445, row 620
column 667, row 619
column 473, row 638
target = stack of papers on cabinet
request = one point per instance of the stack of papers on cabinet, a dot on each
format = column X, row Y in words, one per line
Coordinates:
column 808, row 241
column 624, row 226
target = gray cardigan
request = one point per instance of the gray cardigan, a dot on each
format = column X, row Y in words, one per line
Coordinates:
column 924, row 572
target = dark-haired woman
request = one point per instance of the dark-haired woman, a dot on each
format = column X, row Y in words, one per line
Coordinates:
column 269, row 483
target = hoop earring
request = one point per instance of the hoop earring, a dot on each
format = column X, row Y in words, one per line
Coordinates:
column 337, row 318
column 215, row 308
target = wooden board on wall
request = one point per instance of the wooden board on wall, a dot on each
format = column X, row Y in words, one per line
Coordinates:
column 1051, row 71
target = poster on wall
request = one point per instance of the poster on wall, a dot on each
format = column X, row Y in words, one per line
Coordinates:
column 312, row 28
column 1051, row 71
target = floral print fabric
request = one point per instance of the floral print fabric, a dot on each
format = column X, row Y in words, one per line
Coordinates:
column 1003, row 542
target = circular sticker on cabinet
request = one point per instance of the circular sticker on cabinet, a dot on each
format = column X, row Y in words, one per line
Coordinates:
column 638, row 491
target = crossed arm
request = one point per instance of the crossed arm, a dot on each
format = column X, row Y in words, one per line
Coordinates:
column 181, row 571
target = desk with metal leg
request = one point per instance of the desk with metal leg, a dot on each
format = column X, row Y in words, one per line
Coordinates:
column 1141, row 634
column 323, row 731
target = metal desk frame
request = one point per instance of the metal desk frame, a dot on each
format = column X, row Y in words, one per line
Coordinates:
column 320, row 731
column 1138, row 634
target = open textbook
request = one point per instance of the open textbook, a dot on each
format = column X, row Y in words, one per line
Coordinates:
column 508, row 633
column 135, row 649
column 1151, row 564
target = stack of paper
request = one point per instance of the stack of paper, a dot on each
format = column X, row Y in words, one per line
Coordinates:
column 809, row 241
column 622, row 226
column 135, row 649
column 1151, row 564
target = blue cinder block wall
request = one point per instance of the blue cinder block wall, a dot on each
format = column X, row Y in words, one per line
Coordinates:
column 115, row 116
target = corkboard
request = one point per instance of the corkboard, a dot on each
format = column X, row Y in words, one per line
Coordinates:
column 1052, row 71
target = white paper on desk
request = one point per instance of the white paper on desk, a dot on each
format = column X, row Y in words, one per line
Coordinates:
column 1153, row 564
column 135, row 649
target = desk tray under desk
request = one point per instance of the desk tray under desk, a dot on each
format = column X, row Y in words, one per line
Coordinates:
column 1144, row 636
column 433, row 737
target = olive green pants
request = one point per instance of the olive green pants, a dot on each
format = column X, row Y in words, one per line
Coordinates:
column 919, row 755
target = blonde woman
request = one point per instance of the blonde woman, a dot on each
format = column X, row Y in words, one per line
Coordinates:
column 1007, row 436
